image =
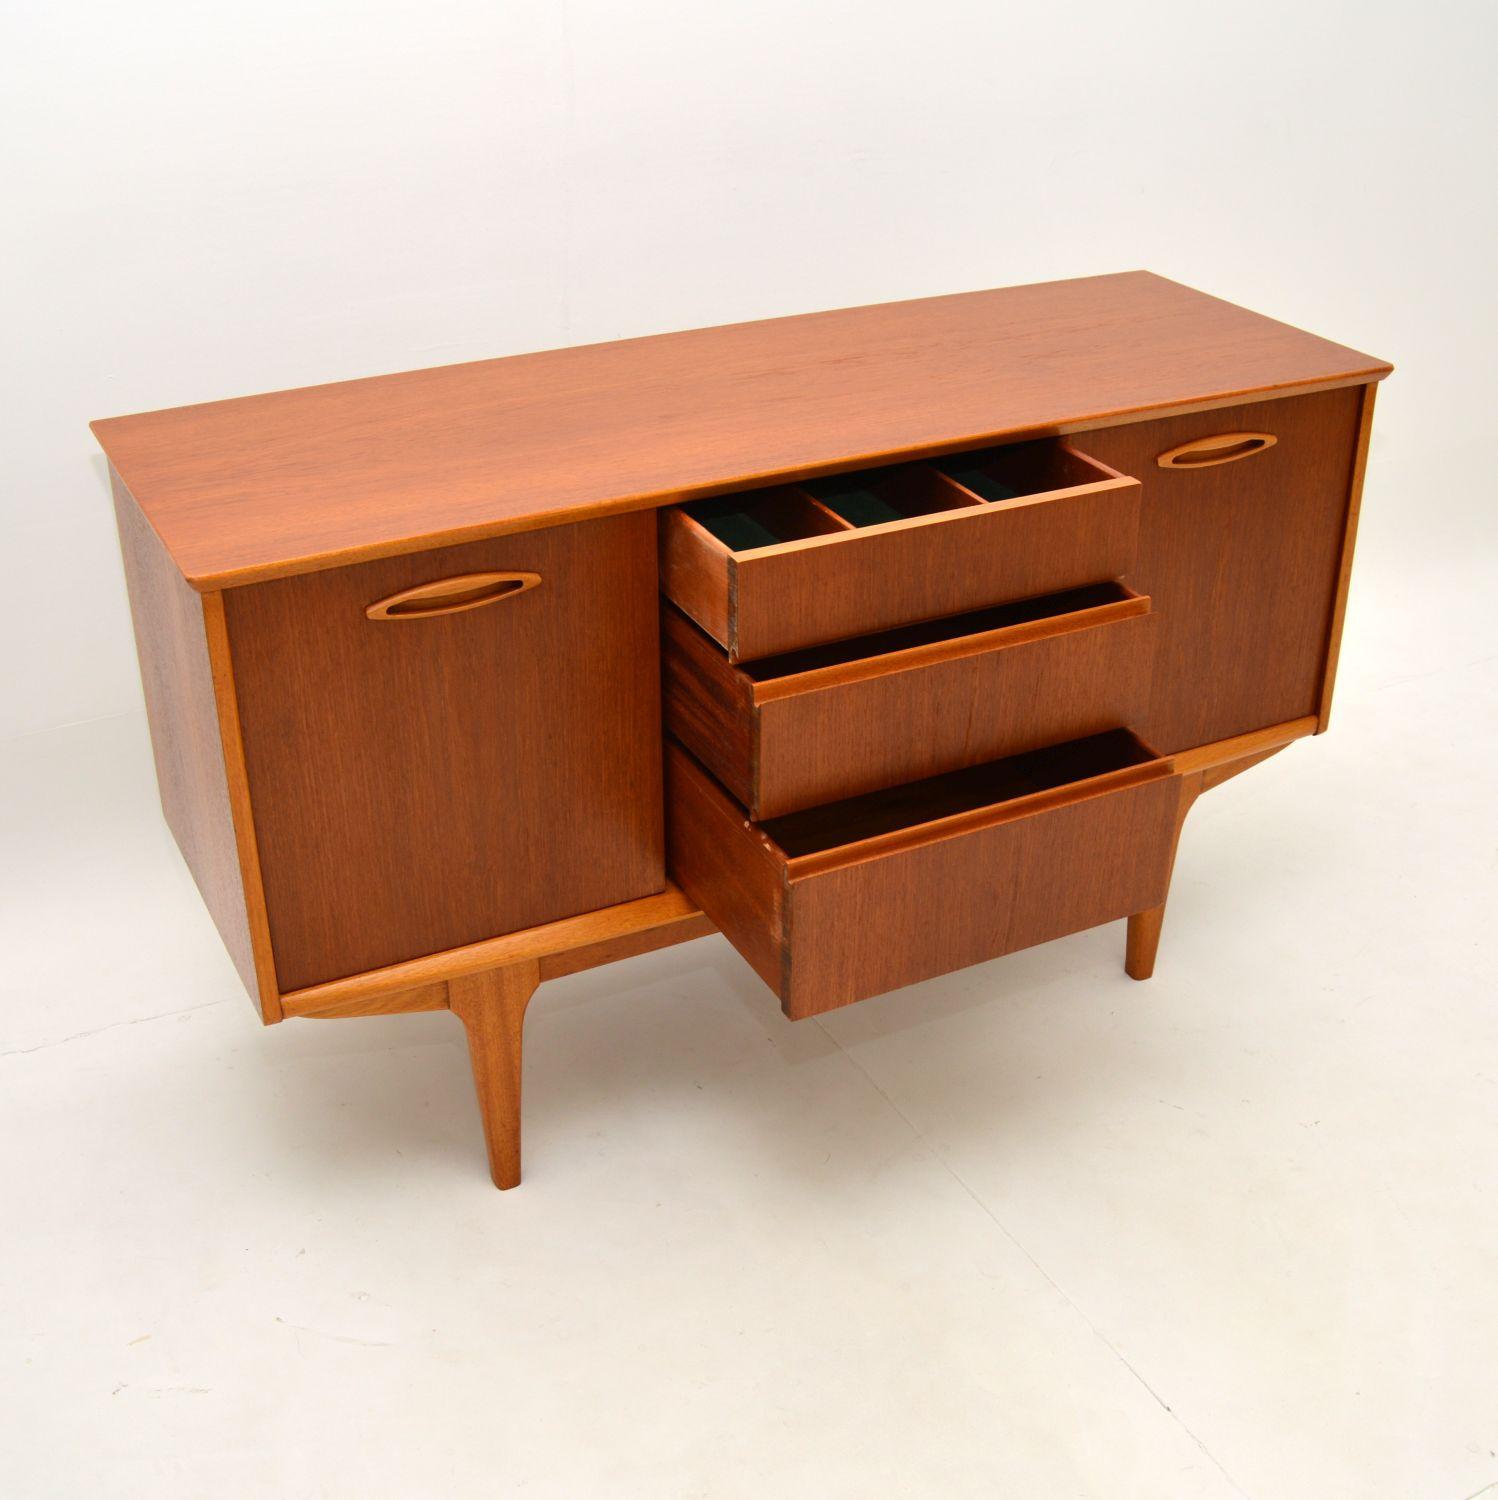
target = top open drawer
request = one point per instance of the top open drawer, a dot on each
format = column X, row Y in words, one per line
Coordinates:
column 776, row 569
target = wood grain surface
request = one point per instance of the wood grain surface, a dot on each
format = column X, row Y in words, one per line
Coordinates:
column 853, row 583
column 265, row 486
column 1013, row 679
column 1242, row 562
column 560, row 947
column 829, row 928
column 424, row 784
column 944, row 713
column 246, row 838
column 670, row 917
column 976, row 895
column 695, row 571
column 708, row 704
column 726, row 865
column 492, row 1009
column 178, row 678
column 1344, row 567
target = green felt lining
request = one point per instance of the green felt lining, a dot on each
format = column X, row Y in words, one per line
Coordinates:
column 977, row 478
column 734, row 524
column 856, row 502
column 898, row 492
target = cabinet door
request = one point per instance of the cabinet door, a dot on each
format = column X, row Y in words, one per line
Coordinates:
column 442, row 774
column 1240, row 559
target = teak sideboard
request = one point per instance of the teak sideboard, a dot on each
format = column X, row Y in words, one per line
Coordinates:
column 885, row 641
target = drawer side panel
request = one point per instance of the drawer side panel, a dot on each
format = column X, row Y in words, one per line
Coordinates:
column 707, row 704
column 726, row 866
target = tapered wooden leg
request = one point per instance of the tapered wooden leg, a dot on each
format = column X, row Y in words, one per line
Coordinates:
column 492, row 1008
column 1144, row 926
column 1144, row 942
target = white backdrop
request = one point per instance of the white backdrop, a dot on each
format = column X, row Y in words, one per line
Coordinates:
column 209, row 201
column 1023, row 1230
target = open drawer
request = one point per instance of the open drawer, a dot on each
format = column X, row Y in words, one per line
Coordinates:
column 777, row 569
column 828, row 722
column 849, row 900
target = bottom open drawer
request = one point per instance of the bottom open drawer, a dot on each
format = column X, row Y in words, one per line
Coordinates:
column 840, row 902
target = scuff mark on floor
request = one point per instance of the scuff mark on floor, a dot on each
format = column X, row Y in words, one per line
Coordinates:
column 78, row 1036
column 338, row 1338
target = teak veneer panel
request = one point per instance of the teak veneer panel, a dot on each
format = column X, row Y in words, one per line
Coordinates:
column 708, row 704
column 825, row 930
column 424, row 783
column 852, row 583
column 1242, row 561
column 825, row 745
column 1349, row 543
column 563, row 947
column 833, row 732
column 270, row 485
column 182, row 684
column 976, row 896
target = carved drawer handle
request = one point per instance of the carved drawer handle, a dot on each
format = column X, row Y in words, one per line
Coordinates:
column 447, row 596
column 1201, row 453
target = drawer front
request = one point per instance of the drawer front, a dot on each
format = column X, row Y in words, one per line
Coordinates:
column 1240, row 548
column 786, row 733
column 839, row 925
column 482, row 756
column 948, row 550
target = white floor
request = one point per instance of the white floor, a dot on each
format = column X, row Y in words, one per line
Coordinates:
column 1031, row 1230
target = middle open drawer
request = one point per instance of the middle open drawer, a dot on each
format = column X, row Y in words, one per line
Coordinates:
column 812, row 726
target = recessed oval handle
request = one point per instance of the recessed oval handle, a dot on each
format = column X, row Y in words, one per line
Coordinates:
column 1221, row 448
column 449, row 596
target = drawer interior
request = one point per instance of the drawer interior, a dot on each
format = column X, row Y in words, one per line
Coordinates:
column 932, row 632
column 863, row 498
column 871, row 497
column 1019, row 469
column 818, row 829
column 763, row 518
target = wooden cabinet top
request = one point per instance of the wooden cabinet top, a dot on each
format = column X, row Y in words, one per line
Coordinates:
column 294, row 481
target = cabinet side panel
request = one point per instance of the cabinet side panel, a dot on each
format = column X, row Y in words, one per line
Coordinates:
column 1241, row 561
column 177, row 676
column 421, row 784
column 1349, row 542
